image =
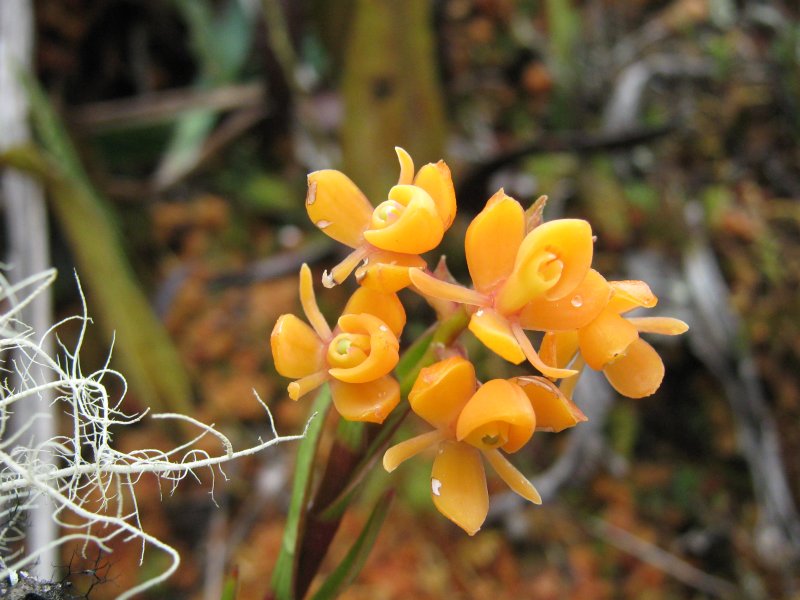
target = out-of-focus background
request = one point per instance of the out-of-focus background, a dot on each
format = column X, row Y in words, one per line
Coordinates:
column 672, row 125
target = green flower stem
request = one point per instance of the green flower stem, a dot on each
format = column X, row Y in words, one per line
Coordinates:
column 285, row 573
column 355, row 449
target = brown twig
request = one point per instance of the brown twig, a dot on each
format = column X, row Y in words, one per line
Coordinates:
column 160, row 106
column 662, row 560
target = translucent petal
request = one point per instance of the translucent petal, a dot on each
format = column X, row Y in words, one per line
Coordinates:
column 535, row 359
column 371, row 402
column 661, row 325
column 436, row 288
column 387, row 271
column 637, row 374
column 552, row 261
column 513, row 478
column 631, row 294
column 386, row 306
column 605, row 338
column 383, row 353
column 296, row 349
column 497, row 400
column 417, row 229
column 309, row 303
column 573, row 311
column 458, row 486
column 398, row 454
column 558, row 347
column 343, row 269
column 554, row 411
column 337, row 207
column 442, row 390
column 492, row 241
column 437, row 181
column 494, row 330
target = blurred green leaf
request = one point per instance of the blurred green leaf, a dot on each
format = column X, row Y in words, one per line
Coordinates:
column 230, row 585
column 150, row 361
column 283, row 576
column 268, row 194
column 221, row 43
column 349, row 568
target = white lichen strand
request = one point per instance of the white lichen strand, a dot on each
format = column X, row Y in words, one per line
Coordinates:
column 90, row 468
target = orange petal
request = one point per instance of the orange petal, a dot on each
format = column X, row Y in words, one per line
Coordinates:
column 415, row 229
column 309, row 302
column 558, row 347
column 637, row 374
column 570, row 312
column 437, row 181
column 552, row 261
column 304, row 385
column 296, row 349
column 406, row 166
column 513, row 478
column 661, row 325
column 371, row 402
column 342, row 270
column 383, row 351
column 387, row 271
column 398, row 454
column 441, row 391
column 337, row 207
column 458, row 486
column 494, row 330
column 631, row 294
column 554, row 411
column 386, row 306
column 534, row 359
column 497, row 402
column 605, row 338
column 492, row 241
column 436, row 288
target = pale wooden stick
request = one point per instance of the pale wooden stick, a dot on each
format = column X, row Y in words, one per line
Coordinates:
column 29, row 249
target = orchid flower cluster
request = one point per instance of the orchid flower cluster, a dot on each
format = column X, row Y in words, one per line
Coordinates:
column 527, row 275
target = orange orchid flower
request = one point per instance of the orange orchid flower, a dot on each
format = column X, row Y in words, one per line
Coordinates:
column 519, row 265
column 356, row 357
column 471, row 422
column 611, row 342
column 390, row 237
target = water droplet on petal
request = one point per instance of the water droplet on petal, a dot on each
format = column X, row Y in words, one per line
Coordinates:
column 479, row 313
column 323, row 224
column 436, row 487
column 383, row 328
column 576, row 301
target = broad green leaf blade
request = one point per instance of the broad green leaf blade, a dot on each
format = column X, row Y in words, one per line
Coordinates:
column 151, row 362
column 347, row 570
column 283, row 576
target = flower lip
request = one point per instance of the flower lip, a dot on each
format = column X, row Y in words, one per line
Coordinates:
column 499, row 414
column 382, row 354
column 407, row 222
column 552, row 261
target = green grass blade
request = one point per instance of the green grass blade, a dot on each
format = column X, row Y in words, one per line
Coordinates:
column 347, row 570
column 283, row 576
